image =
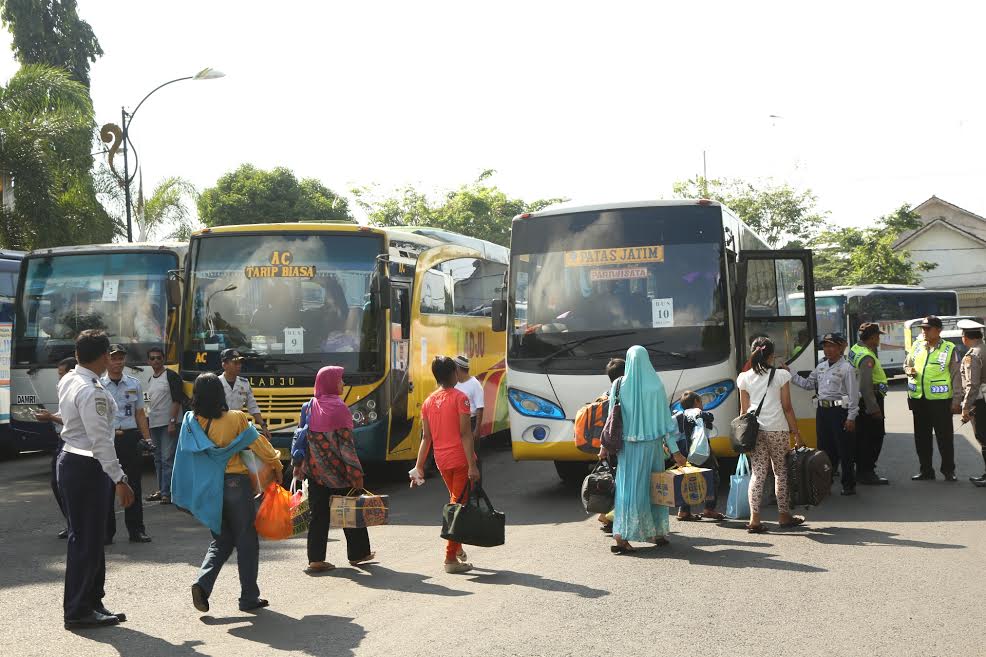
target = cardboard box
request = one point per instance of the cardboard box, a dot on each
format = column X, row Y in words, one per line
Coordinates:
column 357, row 512
column 680, row 486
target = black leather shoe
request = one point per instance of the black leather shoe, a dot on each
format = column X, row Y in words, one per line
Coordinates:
column 871, row 479
column 199, row 599
column 923, row 476
column 106, row 612
column 951, row 477
column 95, row 619
column 849, row 490
column 972, row 479
column 259, row 604
column 63, row 533
column 140, row 537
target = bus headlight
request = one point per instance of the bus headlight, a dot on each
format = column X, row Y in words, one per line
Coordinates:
column 534, row 406
column 712, row 396
column 366, row 410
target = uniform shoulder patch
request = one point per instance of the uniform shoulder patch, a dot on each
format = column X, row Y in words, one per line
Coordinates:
column 101, row 406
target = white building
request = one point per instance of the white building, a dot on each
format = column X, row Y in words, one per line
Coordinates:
column 955, row 239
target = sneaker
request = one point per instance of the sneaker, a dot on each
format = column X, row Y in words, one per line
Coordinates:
column 153, row 497
column 458, row 567
column 461, row 556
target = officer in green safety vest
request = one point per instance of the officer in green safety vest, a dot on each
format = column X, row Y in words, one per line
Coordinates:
column 870, row 423
column 934, row 392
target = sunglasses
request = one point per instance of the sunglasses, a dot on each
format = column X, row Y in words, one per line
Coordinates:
column 155, row 358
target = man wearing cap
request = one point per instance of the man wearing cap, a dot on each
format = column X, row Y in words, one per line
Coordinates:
column 130, row 425
column 473, row 389
column 834, row 383
column 973, row 386
column 934, row 394
column 872, row 384
column 239, row 394
column 88, row 469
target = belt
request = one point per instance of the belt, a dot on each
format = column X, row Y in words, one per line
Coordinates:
column 830, row 403
column 75, row 450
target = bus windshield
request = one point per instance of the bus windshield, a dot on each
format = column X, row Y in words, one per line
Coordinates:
column 288, row 302
column 124, row 294
column 586, row 286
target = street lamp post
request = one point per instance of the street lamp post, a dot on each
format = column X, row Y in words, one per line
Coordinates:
column 128, row 117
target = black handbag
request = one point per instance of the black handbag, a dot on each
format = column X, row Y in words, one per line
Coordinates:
column 599, row 489
column 471, row 523
column 612, row 435
column 744, row 429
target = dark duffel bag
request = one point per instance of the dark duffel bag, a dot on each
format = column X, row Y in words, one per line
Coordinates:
column 599, row 489
column 809, row 476
column 472, row 524
column 744, row 429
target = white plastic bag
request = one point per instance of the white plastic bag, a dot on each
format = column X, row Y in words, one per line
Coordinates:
column 699, row 448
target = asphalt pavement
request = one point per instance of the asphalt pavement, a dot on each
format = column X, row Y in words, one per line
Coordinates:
column 897, row 570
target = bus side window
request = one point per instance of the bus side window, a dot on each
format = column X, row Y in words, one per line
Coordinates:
column 400, row 311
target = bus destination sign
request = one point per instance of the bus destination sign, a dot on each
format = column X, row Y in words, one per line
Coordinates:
column 624, row 255
column 281, row 265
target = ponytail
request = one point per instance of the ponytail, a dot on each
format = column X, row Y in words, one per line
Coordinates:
column 760, row 352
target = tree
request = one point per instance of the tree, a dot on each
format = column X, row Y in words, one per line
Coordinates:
column 779, row 213
column 476, row 209
column 51, row 32
column 252, row 196
column 46, row 128
column 855, row 256
column 166, row 214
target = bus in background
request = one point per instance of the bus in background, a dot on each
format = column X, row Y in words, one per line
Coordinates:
column 844, row 308
column 131, row 291
column 950, row 331
column 685, row 279
column 381, row 302
column 10, row 266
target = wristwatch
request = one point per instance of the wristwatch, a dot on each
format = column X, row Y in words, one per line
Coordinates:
column 172, row 421
column 123, row 480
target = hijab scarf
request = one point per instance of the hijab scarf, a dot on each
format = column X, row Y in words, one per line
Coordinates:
column 644, row 403
column 328, row 412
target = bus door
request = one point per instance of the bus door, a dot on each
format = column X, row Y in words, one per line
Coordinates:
column 771, row 285
column 400, row 341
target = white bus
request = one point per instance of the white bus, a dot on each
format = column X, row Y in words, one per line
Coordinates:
column 129, row 290
column 844, row 308
column 685, row 279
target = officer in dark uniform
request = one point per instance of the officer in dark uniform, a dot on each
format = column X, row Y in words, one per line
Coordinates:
column 87, row 468
column 873, row 387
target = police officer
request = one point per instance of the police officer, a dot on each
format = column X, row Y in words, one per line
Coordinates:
column 974, row 385
column 239, row 394
column 130, row 425
column 87, row 468
column 934, row 394
column 870, row 424
column 834, row 383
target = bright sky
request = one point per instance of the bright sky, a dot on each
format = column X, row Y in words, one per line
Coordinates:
column 882, row 103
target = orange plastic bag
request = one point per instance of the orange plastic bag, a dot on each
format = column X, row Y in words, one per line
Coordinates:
column 273, row 520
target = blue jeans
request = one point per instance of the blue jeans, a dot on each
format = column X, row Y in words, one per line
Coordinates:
column 165, row 446
column 239, row 511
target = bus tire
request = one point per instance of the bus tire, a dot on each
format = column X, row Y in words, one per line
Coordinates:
column 572, row 472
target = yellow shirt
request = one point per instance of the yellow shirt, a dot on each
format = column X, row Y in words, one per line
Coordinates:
column 224, row 430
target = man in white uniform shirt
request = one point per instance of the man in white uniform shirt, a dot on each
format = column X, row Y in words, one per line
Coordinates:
column 473, row 389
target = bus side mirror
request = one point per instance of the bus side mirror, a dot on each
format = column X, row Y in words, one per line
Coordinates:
column 499, row 315
column 173, row 288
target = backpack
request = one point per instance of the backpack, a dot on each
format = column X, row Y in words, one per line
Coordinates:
column 589, row 423
column 809, row 476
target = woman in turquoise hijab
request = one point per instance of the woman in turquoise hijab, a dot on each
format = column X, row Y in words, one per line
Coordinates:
column 647, row 429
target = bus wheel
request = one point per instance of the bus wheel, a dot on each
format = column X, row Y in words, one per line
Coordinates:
column 572, row 472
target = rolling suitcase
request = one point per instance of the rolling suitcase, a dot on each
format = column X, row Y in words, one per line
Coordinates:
column 809, row 476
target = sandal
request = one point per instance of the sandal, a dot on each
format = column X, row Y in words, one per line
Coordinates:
column 757, row 529
column 714, row 515
column 689, row 518
column 623, row 548
column 322, row 567
column 795, row 521
column 356, row 562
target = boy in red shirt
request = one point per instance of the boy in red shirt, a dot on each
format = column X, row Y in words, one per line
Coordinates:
column 445, row 421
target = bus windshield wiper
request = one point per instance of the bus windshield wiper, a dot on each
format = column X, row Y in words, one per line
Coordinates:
column 651, row 349
column 575, row 343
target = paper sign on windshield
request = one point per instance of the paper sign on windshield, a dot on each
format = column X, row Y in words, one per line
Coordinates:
column 111, row 287
column 624, row 255
column 662, row 313
column 617, row 274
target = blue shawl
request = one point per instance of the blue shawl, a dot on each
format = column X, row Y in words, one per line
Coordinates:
column 644, row 402
column 200, row 466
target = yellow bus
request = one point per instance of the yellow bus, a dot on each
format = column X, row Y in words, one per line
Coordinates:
column 381, row 302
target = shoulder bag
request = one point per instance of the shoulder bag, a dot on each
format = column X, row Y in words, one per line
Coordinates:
column 744, row 429
column 472, row 524
column 612, row 435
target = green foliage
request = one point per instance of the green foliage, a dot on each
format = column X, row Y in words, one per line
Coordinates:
column 252, row 196
column 167, row 214
column 51, row 32
column 858, row 256
column 779, row 213
column 46, row 128
column 476, row 209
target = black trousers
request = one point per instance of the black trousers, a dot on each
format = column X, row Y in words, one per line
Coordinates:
column 54, row 479
column 128, row 452
column 83, row 486
column 934, row 415
column 835, row 441
column 357, row 540
column 979, row 425
column 869, row 438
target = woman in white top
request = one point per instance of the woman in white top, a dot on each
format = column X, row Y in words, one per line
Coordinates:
column 777, row 424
